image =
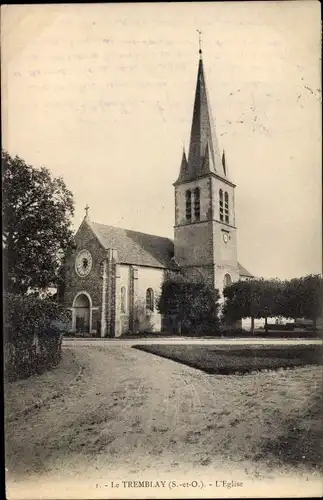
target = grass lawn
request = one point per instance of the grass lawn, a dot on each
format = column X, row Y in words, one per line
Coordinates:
column 227, row 360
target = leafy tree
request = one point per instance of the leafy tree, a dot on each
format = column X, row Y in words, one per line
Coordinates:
column 295, row 298
column 312, row 298
column 267, row 298
column 302, row 298
column 256, row 298
column 237, row 303
column 194, row 303
column 37, row 211
column 289, row 305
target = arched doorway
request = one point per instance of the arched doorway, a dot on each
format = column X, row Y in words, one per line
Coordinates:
column 227, row 280
column 82, row 310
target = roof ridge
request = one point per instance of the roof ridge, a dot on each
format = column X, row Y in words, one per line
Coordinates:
column 140, row 252
column 130, row 230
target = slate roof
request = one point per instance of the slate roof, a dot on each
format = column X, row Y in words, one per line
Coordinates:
column 244, row 272
column 141, row 249
column 136, row 248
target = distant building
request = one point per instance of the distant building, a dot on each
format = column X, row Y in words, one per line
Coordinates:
column 114, row 275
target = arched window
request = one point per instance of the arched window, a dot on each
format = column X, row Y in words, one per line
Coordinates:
column 197, row 203
column 188, row 205
column 150, row 299
column 81, row 301
column 226, row 207
column 221, row 205
column 123, row 299
column 227, row 280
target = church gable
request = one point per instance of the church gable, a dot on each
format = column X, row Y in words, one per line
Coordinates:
column 85, row 240
column 85, row 235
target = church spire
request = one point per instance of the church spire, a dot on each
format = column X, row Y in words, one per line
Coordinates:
column 224, row 163
column 204, row 155
column 183, row 169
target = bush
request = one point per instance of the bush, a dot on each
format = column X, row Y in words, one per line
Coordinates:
column 287, row 327
column 234, row 331
column 32, row 335
column 190, row 304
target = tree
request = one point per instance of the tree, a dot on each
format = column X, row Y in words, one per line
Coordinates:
column 312, row 299
column 295, row 298
column 194, row 303
column 237, row 303
column 266, row 298
column 37, row 211
column 257, row 298
column 302, row 298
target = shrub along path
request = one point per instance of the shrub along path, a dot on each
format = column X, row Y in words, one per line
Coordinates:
column 129, row 414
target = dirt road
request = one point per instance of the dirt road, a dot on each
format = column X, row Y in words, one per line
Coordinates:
column 121, row 413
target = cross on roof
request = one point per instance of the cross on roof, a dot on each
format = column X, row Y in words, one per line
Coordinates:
column 200, row 41
column 86, row 210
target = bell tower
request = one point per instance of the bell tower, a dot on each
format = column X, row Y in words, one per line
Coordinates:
column 205, row 238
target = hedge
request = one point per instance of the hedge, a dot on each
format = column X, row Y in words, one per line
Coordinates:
column 32, row 335
column 230, row 360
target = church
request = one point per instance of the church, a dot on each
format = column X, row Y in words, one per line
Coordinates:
column 114, row 275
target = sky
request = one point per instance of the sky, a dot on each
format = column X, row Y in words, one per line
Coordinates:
column 102, row 95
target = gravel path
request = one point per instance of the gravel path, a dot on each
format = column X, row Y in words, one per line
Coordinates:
column 125, row 413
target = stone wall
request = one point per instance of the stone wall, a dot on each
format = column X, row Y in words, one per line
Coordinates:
column 123, row 279
column 92, row 284
column 193, row 244
column 148, row 277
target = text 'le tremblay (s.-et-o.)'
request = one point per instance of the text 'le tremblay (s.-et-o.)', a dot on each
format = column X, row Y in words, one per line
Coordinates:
column 172, row 484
